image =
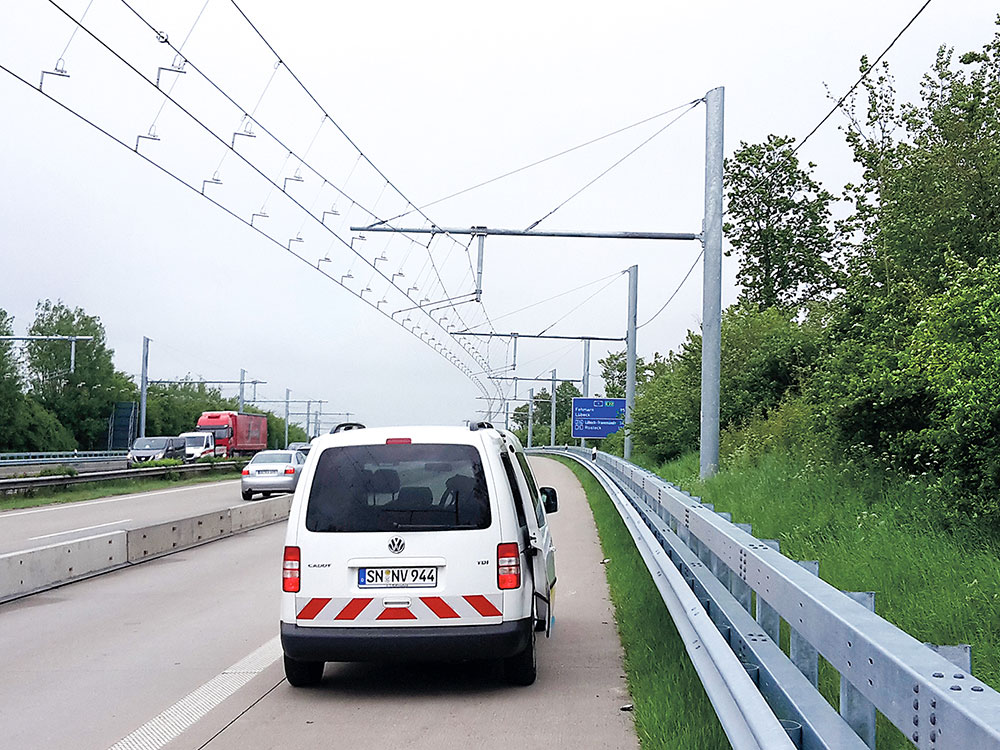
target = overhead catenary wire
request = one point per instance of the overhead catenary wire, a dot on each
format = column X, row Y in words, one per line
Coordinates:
column 690, row 107
column 322, row 109
column 671, row 297
column 539, row 162
column 458, row 364
column 574, row 309
column 472, row 351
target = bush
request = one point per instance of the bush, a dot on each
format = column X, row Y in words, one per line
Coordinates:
column 58, row 471
column 161, row 462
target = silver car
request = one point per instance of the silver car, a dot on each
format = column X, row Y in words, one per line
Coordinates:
column 271, row 471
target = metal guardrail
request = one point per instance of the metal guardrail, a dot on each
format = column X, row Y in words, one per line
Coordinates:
column 934, row 703
column 27, row 483
column 58, row 457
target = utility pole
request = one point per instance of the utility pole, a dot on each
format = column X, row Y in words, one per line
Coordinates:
column 633, row 291
column 531, row 413
column 711, row 315
column 288, row 392
column 243, row 377
column 308, row 416
column 143, row 386
column 552, row 413
column 586, row 379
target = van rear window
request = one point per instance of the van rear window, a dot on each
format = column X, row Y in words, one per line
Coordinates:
column 416, row 487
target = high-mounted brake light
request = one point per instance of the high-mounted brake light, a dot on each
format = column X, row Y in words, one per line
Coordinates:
column 289, row 469
column 290, row 570
column 508, row 566
column 398, row 441
column 246, row 472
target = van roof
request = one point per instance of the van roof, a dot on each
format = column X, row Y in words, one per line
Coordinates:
column 446, row 434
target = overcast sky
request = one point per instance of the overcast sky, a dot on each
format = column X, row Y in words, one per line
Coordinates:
column 439, row 96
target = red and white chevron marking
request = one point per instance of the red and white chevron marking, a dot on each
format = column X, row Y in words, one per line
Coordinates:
column 439, row 610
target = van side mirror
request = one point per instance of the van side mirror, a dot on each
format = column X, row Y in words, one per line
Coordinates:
column 549, row 500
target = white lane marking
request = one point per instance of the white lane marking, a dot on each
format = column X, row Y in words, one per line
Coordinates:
column 172, row 723
column 88, row 503
column 73, row 531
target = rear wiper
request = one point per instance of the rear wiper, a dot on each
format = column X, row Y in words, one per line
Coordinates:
column 422, row 526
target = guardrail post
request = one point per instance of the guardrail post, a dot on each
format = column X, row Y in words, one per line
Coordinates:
column 737, row 586
column 858, row 711
column 800, row 650
column 767, row 617
column 960, row 655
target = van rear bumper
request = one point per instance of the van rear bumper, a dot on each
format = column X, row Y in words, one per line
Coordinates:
column 457, row 642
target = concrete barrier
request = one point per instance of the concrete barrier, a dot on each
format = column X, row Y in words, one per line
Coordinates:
column 251, row 515
column 33, row 570
column 164, row 538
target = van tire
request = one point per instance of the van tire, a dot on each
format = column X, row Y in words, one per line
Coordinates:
column 303, row 673
column 521, row 668
column 247, row 494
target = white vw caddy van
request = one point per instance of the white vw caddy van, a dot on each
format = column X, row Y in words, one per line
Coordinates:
column 417, row 543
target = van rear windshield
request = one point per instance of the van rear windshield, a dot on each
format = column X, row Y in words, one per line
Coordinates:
column 414, row 487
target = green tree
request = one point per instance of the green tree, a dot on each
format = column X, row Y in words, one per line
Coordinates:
column 10, row 380
column 80, row 400
column 779, row 224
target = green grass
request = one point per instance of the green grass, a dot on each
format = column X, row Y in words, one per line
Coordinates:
column 870, row 533
column 91, row 491
column 671, row 708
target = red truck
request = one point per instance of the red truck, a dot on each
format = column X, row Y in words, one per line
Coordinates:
column 238, row 433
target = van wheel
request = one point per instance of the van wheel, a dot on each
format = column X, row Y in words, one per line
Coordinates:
column 521, row 668
column 247, row 494
column 303, row 673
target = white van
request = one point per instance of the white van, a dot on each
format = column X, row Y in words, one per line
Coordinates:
column 200, row 444
column 417, row 543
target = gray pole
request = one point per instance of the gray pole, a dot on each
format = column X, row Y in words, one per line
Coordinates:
column 586, row 378
column 288, row 392
column 72, row 355
column 552, row 413
column 319, row 420
column 711, row 315
column 479, row 270
column 633, row 292
column 308, row 415
column 243, row 376
column 143, row 387
column 531, row 413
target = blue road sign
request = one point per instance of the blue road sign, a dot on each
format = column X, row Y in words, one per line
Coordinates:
column 597, row 417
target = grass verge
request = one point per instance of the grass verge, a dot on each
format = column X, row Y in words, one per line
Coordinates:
column 671, row 708
column 92, row 491
column 870, row 533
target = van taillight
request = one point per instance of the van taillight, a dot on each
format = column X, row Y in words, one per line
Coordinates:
column 508, row 566
column 397, row 441
column 290, row 570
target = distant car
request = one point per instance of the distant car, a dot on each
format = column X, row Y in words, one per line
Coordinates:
column 199, row 445
column 302, row 448
column 271, row 471
column 147, row 449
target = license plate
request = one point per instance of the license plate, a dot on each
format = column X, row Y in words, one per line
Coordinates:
column 410, row 578
column 266, row 472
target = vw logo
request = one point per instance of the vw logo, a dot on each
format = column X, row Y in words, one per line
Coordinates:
column 396, row 545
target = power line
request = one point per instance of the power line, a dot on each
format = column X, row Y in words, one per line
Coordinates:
column 691, row 106
column 542, row 161
column 573, row 310
column 332, row 120
column 471, row 351
column 459, row 365
column 671, row 297
column 863, row 76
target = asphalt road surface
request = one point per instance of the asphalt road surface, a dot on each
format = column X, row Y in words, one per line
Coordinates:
column 181, row 652
column 48, row 524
